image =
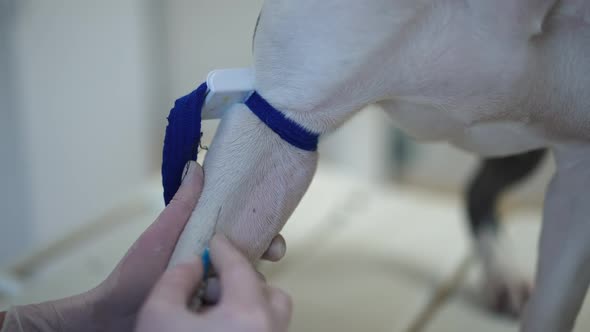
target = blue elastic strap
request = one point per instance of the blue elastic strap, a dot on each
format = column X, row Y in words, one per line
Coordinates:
column 183, row 134
column 286, row 128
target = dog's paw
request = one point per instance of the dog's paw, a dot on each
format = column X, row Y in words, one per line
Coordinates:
column 506, row 291
column 506, row 288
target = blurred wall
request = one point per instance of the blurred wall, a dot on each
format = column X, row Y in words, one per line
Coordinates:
column 14, row 208
column 76, row 115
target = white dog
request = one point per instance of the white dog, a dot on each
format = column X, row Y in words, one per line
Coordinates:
column 495, row 77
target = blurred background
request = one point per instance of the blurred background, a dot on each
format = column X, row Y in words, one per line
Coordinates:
column 85, row 88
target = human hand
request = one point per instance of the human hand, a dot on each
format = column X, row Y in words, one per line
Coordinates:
column 246, row 303
column 114, row 304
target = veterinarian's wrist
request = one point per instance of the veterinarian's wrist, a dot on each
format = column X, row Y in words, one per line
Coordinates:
column 71, row 314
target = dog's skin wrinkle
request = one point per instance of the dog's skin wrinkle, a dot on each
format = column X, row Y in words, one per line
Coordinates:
column 493, row 77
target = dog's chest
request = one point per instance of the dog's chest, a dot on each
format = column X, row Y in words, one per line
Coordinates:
column 499, row 138
column 466, row 129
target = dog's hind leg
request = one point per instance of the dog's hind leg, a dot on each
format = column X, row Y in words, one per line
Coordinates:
column 505, row 286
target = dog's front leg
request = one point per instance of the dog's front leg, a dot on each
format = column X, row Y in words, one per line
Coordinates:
column 563, row 271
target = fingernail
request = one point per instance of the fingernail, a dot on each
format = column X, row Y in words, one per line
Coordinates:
column 279, row 250
column 189, row 169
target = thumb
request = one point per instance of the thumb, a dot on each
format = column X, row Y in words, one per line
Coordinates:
column 164, row 232
column 190, row 189
column 177, row 285
column 180, row 208
column 170, row 223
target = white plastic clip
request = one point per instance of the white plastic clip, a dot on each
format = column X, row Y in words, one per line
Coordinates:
column 227, row 87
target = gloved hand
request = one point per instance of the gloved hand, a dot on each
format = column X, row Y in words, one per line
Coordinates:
column 115, row 303
column 247, row 303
